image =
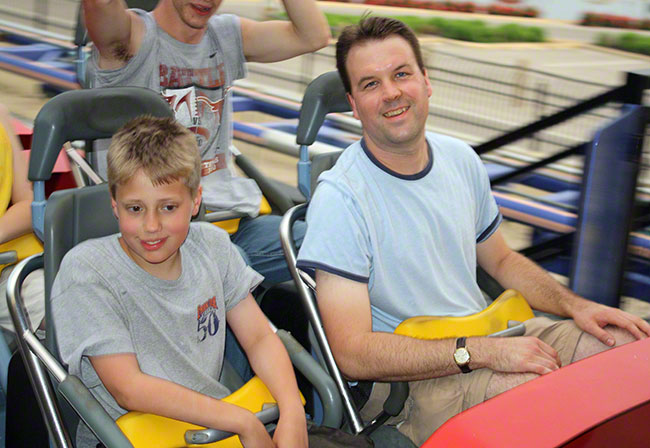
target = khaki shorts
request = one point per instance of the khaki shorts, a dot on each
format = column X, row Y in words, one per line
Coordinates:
column 432, row 402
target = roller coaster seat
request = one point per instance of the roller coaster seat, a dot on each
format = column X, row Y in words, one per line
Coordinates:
column 73, row 216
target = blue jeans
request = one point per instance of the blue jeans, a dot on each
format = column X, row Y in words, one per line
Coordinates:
column 259, row 242
column 259, row 238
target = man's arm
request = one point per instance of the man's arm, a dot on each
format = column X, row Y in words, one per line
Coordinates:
column 115, row 31
column 363, row 354
column 17, row 220
column 271, row 363
column 136, row 391
column 306, row 31
column 513, row 270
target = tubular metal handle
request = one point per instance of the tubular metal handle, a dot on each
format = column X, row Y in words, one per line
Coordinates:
column 8, row 257
column 203, row 436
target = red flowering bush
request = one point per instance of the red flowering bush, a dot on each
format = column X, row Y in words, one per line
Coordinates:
column 424, row 4
column 457, row 6
column 612, row 21
column 511, row 11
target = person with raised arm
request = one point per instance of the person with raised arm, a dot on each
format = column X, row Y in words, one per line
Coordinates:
column 192, row 56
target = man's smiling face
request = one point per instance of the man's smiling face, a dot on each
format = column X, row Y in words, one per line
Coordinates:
column 389, row 93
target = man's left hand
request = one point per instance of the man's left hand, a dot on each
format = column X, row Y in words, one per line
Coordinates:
column 592, row 317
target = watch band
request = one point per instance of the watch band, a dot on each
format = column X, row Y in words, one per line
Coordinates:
column 460, row 343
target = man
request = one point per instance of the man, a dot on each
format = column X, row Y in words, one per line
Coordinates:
column 192, row 57
column 395, row 230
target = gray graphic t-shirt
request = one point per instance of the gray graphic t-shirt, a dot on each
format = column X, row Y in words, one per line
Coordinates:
column 195, row 79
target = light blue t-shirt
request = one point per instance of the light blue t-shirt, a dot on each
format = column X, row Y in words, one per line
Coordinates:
column 411, row 238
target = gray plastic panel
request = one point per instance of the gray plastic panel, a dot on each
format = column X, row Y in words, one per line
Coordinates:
column 324, row 95
column 93, row 413
column 87, row 115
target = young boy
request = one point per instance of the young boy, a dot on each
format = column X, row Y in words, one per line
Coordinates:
column 141, row 315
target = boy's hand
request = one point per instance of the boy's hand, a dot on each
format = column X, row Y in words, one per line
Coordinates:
column 291, row 431
column 255, row 435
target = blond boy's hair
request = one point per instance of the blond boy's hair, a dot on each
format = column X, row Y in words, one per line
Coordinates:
column 164, row 149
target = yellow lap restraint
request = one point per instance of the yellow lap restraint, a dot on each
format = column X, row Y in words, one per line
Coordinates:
column 510, row 305
column 148, row 430
column 232, row 225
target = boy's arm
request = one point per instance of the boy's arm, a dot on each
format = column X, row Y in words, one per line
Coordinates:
column 136, row 391
column 18, row 218
column 307, row 30
column 115, row 31
column 271, row 363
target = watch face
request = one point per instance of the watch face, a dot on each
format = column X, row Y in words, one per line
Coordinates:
column 461, row 356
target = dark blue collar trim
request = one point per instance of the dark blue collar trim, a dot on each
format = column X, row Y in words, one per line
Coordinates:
column 383, row 167
column 310, row 268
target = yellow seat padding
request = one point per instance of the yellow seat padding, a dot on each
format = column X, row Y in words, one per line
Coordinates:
column 6, row 170
column 148, row 430
column 232, row 225
column 510, row 305
column 24, row 246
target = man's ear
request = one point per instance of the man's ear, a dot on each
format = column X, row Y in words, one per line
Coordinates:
column 353, row 105
column 429, row 87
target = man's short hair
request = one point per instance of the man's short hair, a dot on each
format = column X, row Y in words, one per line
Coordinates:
column 164, row 149
column 372, row 28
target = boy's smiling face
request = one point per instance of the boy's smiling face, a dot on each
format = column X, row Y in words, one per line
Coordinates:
column 154, row 222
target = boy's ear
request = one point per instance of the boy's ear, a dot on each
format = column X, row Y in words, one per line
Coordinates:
column 114, row 207
column 196, row 202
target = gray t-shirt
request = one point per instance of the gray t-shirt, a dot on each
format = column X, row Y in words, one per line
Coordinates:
column 411, row 238
column 104, row 303
column 195, row 79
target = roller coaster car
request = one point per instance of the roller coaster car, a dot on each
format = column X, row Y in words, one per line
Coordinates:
column 72, row 216
column 600, row 401
column 592, row 402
